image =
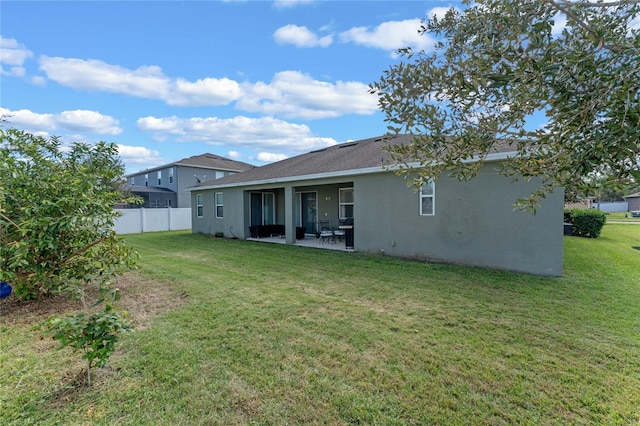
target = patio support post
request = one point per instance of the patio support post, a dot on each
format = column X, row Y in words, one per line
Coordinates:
column 289, row 219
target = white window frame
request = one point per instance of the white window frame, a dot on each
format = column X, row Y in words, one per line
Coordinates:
column 342, row 204
column 430, row 186
column 146, row 179
column 219, row 204
column 219, row 174
column 159, row 177
column 171, row 175
column 199, row 205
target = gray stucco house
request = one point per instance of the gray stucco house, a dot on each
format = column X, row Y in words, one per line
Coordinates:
column 165, row 186
column 633, row 202
column 470, row 223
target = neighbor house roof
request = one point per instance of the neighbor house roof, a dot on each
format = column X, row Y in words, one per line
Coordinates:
column 636, row 195
column 203, row 161
column 149, row 189
column 349, row 158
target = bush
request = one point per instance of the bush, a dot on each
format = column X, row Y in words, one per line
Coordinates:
column 586, row 223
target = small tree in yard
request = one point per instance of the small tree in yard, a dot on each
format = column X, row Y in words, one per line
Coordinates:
column 497, row 64
column 56, row 232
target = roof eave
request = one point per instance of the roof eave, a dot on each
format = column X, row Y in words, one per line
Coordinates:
column 341, row 173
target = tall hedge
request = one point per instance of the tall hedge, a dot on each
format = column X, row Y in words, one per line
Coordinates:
column 586, row 223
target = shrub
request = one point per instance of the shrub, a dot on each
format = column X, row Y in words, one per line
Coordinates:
column 586, row 223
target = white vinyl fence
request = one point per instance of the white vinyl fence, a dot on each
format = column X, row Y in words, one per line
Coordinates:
column 136, row 221
column 621, row 206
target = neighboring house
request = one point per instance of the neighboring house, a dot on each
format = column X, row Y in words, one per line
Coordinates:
column 633, row 202
column 582, row 203
column 470, row 223
column 164, row 186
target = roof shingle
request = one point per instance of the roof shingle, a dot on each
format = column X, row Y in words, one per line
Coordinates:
column 356, row 155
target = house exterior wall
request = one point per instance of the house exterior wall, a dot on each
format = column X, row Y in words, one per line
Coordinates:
column 474, row 223
column 633, row 204
column 139, row 180
column 234, row 219
column 183, row 177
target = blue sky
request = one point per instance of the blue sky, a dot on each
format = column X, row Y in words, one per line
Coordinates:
column 256, row 81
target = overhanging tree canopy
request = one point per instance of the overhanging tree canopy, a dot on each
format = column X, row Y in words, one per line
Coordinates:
column 497, row 64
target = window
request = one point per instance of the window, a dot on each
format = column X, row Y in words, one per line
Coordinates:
column 199, row 205
column 219, row 174
column 146, row 179
column 171, row 175
column 218, row 197
column 159, row 177
column 346, row 203
column 263, row 208
column 427, row 199
column 132, row 181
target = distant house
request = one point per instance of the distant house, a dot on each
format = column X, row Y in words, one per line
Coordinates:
column 633, row 202
column 469, row 223
column 164, row 186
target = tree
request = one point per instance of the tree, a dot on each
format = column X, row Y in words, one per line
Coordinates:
column 56, row 215
column 497, row 64
column 56, row 230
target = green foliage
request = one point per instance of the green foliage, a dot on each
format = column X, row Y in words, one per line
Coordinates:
column 496, row 64
column 95, row 334
column 56, row 214
column 586, row 223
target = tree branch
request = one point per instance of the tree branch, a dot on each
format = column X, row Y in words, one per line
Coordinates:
column 607, row 4
column 564, row 8
column 78, row 251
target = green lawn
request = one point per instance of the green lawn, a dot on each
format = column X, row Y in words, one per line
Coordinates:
column 271, row 335
column 622, row 217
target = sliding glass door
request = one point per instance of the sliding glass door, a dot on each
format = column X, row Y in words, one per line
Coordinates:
column 263, row 208
column 307, row 211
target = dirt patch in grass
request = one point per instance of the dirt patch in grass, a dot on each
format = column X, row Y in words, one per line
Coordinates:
column 144, row 298
column 141, row 297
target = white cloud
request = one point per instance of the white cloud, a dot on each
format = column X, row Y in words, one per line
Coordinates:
column 633, row 25
column 12, row 57
column 88, row 121
column 290, row 94
column 234, row 154
column 270, row 157
column 439, row 12
column 296, row 95
column 94, row 75
column 144, row 82
column 391, row 35
column 559, row 23
column 242, row 132
column 139, row 157
column 38, row 81
column 73, row 121
column 208, row 91
column 300, row 37
column 283, row 4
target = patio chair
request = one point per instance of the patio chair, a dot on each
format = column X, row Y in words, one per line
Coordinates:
column 326, row 233
column 339, row 233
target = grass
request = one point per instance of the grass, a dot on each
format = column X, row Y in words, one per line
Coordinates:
column 622, row 217
column 249, row 333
